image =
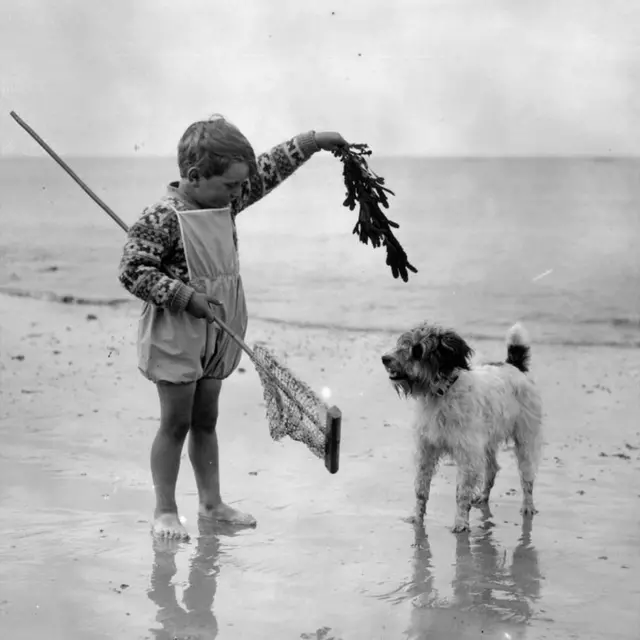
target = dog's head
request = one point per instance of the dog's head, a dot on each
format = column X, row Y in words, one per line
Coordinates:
column 425, row 358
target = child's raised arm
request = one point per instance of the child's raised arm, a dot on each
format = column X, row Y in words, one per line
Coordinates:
column 274, row 167
column 150, row 241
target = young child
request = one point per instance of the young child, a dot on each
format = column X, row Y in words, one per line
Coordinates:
column 181, row 260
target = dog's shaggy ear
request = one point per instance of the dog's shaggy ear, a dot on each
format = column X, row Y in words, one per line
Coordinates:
column 454, row 352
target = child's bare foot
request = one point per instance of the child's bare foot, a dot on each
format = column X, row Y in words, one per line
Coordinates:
column 225, row 513
column 168, row 525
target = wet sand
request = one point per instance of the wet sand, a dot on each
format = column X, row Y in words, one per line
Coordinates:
column 331, row 558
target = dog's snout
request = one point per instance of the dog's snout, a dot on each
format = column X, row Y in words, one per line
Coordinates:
column 386, row 360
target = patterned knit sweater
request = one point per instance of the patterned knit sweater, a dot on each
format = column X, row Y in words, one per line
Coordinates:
column 154, row 240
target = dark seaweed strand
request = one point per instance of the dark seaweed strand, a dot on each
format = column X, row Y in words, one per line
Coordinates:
column 367, row 189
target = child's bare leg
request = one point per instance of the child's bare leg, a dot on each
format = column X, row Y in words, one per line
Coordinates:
column 176, row 401
column 203, row 452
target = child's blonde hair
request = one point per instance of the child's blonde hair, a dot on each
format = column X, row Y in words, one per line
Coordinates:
column 211, row 146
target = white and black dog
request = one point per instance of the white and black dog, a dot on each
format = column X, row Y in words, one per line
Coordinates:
column 467, row 412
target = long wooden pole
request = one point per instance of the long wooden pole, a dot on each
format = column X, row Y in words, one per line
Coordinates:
column 67, row 168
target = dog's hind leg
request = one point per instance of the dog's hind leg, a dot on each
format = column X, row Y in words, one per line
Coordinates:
column 528, row 439
column 427, row 462
column 527, row 453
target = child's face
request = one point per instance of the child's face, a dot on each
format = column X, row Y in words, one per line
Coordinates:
column 218, row 191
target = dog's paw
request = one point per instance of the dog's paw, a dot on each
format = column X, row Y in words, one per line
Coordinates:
column 479, row 500
column 414, row 520
column 460, row 527
column 528, row 510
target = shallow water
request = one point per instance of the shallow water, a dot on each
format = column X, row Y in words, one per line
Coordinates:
column 78, row 564
column 331, row 557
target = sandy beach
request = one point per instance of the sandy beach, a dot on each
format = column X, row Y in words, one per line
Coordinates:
column 331, row 557
column 506, row 137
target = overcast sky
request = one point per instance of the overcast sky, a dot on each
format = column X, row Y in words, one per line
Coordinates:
column 433, row 77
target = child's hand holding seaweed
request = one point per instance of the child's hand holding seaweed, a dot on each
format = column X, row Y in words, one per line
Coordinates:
column 330, row 140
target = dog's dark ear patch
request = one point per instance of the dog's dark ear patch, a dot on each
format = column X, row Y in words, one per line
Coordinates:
column 454, row 352
column 417, row 351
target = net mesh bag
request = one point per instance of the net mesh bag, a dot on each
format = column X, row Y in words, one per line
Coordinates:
column 293, row 409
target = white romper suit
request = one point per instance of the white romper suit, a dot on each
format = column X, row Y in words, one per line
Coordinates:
column 177, row 347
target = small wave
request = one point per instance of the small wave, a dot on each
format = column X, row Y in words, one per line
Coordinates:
column 50, row 296
column 631, row 323
column 619, row 322
column 392, row 330
column 470, row 336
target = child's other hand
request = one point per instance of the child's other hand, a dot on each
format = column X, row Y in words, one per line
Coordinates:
column 330, row 140
column 200, row 306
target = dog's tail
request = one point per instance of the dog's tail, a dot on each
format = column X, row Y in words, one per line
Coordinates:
column 518, row 348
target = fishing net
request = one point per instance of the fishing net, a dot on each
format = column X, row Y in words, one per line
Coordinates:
column 292, row 408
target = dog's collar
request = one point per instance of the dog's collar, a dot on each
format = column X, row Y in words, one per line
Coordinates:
column 446, row 384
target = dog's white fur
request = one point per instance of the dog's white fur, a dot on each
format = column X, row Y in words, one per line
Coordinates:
column 467, row 411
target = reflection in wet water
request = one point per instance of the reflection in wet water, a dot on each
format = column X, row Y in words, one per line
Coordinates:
column 194, row 620
column 490, row 597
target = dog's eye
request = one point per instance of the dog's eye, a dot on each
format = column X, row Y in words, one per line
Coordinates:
column 417, row 351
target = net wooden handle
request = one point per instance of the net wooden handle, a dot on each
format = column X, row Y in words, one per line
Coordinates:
column 332, row 447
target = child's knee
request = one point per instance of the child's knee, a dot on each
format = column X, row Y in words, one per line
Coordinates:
column 204, row 422
column 176, row 403
column 204, row 415
column 175, row 427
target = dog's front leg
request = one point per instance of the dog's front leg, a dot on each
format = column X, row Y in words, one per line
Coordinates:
column 490, row 471
column 427, row 462
column 465, row 494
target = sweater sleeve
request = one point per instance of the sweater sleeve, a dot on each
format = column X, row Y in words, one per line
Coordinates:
column 274, row 167
column 150, row 241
